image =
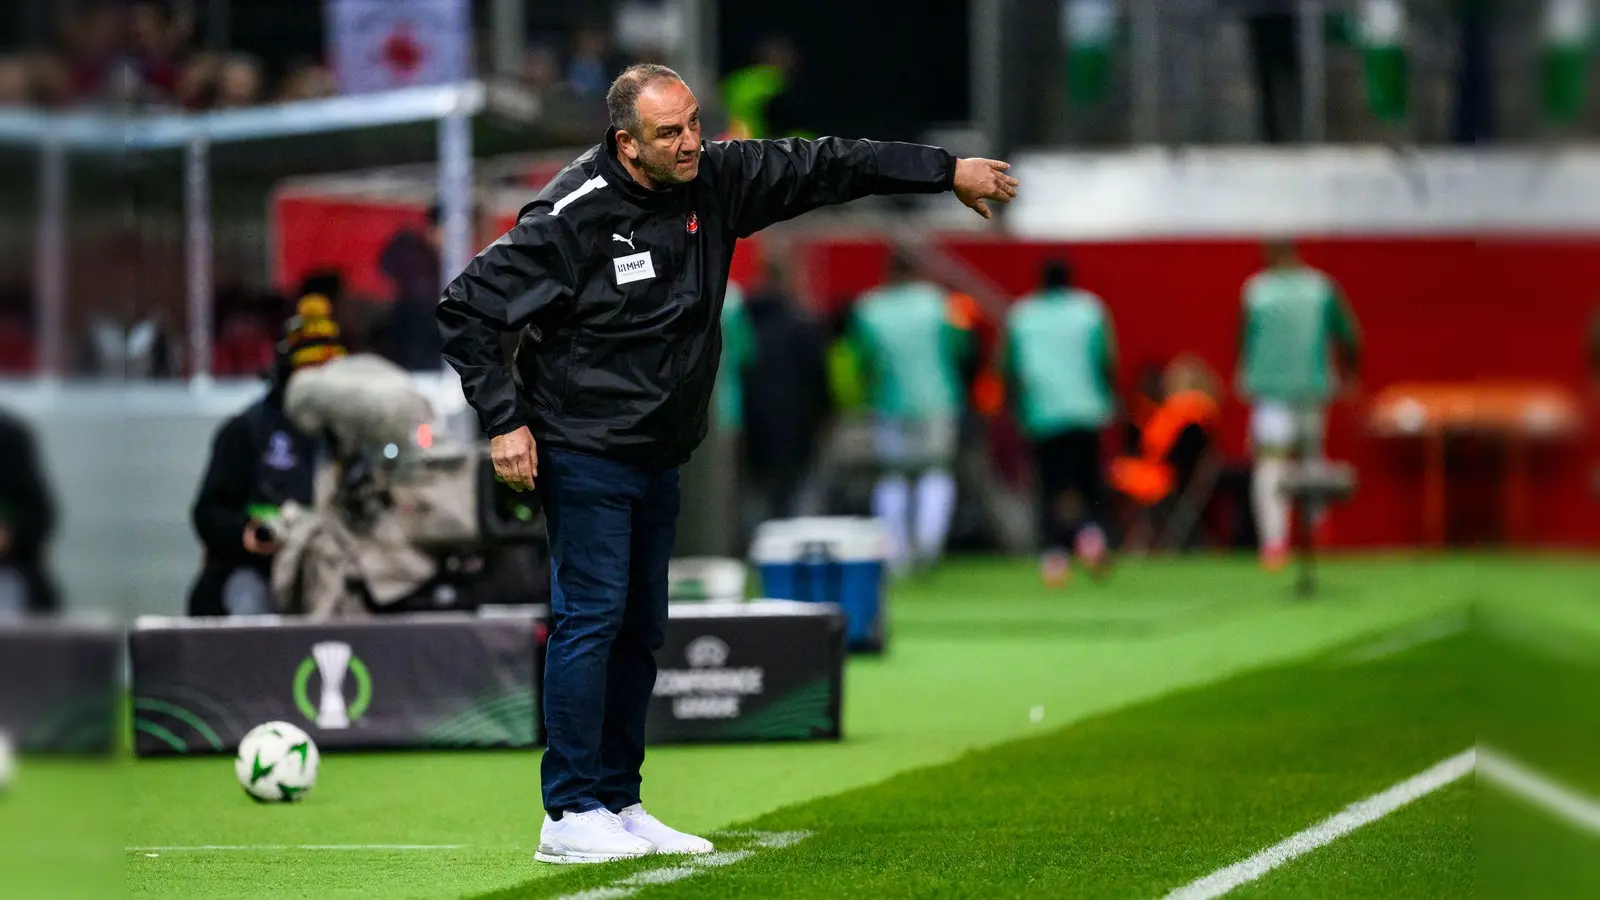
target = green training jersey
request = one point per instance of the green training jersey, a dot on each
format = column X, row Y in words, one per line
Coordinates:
column 738, row 349
column 1059, row 345
column 1292, row 318
column 909, row 352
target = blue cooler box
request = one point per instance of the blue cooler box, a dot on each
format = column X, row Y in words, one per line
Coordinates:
column 828, row 560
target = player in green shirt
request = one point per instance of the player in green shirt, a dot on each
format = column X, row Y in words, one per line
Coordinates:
column 1295, row 324
column 738, row 348
column 1060, row 365
column 910, row 354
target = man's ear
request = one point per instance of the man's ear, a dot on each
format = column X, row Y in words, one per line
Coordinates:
column 628, row 145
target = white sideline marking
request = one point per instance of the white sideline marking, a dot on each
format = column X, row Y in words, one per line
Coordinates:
column 1416, row 636
column 723, row 858
column 657, row 876
column 1362, row 812
column 1554, row 797
column 279, row 848
column 688, row 867
column 770, row 840
column 601, row 893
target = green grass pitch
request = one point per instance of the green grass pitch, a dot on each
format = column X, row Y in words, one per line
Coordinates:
column 1117, row 739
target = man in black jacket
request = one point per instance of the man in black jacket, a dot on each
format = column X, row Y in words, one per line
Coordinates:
column 614, row 276
column 786, row 400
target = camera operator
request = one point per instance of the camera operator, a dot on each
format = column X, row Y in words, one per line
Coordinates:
column 27, row 518
column 259, row 461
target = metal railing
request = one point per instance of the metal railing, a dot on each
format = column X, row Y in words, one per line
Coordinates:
column 57, row 137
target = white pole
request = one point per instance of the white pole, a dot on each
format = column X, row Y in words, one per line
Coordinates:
column 197, row 216
column 455, row 191
column 49, row 297
column 455, row 213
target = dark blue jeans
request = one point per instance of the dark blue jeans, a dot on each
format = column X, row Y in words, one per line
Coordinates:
column 611, row 528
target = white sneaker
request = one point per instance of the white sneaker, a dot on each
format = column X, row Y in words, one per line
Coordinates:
column 666, row 840
column 588, row 837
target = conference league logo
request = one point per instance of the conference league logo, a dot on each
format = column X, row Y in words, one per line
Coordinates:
column 709, row 688
column 332, row 661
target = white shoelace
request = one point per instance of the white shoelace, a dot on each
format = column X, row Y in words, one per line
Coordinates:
column 607, row 821
column 639, row 815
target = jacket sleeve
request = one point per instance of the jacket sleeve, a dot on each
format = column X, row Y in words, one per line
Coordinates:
column 764, row 182
column 526, row 275
column 219, row 510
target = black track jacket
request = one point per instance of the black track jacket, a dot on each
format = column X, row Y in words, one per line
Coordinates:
column 617, row 289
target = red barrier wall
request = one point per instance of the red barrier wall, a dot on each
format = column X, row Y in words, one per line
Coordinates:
column 1448, row 309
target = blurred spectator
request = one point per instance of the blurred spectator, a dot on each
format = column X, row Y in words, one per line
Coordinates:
column 93, row 41
column 738, row 349
column 1273, row 30
column 1294, row 321
column 16, row 82
column 18, row 353
column 239, row 82
column 761, row 98
column 27, row 518
column 594, row 63
column 197, row 83
column 541, row 67
column 114, row 347
column 1174, row 437
column 50, row 82
column 155, row 34
column 911, row 355
column 259, row 461
column 412, row 263
column 786, row 401
column 1061, row 356
column 246, row 343
column 307, row 80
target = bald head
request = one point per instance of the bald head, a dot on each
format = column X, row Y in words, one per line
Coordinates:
column 657, row 122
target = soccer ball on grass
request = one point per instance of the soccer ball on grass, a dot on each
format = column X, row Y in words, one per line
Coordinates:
column 277, row 763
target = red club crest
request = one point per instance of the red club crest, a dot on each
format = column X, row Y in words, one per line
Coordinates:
column 693, row 225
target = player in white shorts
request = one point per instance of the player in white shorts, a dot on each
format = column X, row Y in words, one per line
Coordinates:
column 1295, row 323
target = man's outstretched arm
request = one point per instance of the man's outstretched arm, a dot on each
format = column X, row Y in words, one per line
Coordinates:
column 766, row 182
